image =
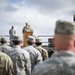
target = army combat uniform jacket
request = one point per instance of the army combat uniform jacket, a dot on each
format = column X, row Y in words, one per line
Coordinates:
column 35, row 55
column 21, row 61
column 6, row 64
column 12, row 32
column 5, row 48
column 43, row 52
column 61, row 63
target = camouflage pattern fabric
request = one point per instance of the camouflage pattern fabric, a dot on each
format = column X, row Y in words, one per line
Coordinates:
column 21, row 61
column 35, row 56
column 61, row 63
column 6, row 64
column 5, row 48
column 12, row 32
column 63, row 27
column 43, row 52
column 27, row 29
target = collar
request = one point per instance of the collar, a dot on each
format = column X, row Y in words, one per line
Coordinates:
column 16, row 46
column 3, row 44
column 63, row 53
column 29, row 46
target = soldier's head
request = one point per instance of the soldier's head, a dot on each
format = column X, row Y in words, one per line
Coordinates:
column 3, row 40
column 26, row 24
column 38, row 42
column 64, row 38
column 17, row 40
column 12, row 27
column 31, row 40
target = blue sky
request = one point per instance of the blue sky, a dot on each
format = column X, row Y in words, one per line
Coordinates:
column 14, row 1
column 40, row 14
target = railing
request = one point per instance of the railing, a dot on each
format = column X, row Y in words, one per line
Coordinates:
column 45, row 36
column 45, row 42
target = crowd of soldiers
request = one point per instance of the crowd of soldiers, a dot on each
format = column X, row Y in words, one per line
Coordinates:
column 33, row 59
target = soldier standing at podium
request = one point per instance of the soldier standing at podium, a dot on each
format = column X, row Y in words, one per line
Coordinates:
column 26, row 28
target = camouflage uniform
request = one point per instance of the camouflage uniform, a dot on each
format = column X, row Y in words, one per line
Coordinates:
column 5, row 48
column 12, row 32
column 34, row 55
column 21, row 60
column 6, row 64
column 43, row 52
column 27, row 29
column 61, row 62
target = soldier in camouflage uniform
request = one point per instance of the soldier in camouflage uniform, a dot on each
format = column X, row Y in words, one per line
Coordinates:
column 20, row 58
column 6, row 64
column 62, row 62
column 4, row 47
column 39, row 47
column 12, row 32
column 27, row 28
column 35, row 55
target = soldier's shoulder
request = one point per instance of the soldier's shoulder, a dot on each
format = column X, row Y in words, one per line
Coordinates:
column 4, row 56
column 25, row 51
column 52, row 66
column 22, row 52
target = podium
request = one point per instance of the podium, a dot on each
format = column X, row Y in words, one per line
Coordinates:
column 25, row 37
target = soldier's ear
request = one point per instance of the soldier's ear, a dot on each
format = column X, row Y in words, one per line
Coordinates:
column 74, row 43
column 20, row 42
column 53, row 41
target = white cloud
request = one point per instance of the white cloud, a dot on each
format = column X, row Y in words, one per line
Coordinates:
column 40, row 14
column 3, row 4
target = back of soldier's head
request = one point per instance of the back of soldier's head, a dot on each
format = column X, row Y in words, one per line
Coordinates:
column 3, row 40
column 17, row 40
column 64, row 35
column 31, row 40
column 38, row 41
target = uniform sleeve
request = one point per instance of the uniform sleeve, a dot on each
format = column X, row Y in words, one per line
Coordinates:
column 39, row 57
column 28, row 64
column 45, row 54
column 10, row 67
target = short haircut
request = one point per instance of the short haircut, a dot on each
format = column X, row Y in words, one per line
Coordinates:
column 30, row 43
column 16, row 42
column 2, row 42
column 38, row 43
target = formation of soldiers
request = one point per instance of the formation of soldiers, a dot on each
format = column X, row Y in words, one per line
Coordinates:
column 33, row 59
column 18, row 60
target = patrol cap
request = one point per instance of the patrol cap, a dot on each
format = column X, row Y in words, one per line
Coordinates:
column 17, row 38
column 38, row 40
column 31, row 39
column 3, row 39
column 64, row 27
